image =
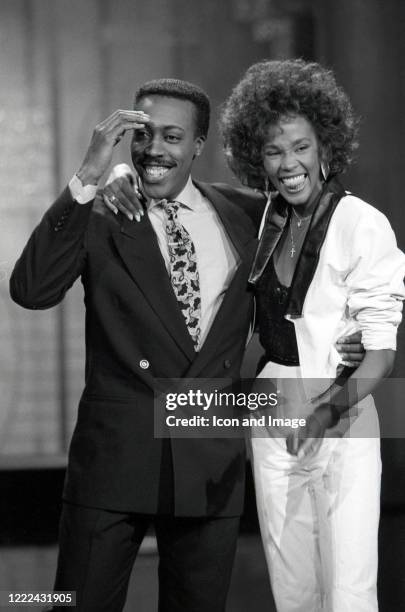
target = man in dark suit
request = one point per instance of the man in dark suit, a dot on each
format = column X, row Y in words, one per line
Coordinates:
column 120, row 477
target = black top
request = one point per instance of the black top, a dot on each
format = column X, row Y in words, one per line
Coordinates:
column 277, row 334
column 276, row 223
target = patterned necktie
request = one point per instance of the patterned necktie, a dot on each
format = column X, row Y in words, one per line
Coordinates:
column 183, row 270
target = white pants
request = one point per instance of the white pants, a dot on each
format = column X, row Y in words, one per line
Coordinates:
column 319, row 519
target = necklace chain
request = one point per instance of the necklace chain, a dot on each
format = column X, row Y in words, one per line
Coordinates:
column 293, row 249
column 300, row 220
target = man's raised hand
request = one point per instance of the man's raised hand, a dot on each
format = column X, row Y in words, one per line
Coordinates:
column 105, row 136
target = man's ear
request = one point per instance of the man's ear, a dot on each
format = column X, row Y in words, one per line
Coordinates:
column 199, row 146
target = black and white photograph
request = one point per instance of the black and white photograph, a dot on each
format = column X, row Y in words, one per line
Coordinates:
column 202, row 262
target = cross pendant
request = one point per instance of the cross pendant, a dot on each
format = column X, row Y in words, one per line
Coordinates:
column 292, row 252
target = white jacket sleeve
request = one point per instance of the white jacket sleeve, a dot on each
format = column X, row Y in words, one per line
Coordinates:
column 376, row 280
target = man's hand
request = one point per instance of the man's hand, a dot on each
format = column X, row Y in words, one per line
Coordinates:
column 121, row 193
column 106, row 135
column 351, row 349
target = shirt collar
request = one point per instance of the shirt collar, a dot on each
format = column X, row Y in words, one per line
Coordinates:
column 190, row 197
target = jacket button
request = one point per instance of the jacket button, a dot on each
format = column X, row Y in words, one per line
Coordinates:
column 227, row 363
column 144, row 364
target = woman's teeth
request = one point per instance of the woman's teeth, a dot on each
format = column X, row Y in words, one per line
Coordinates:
column 294, row 183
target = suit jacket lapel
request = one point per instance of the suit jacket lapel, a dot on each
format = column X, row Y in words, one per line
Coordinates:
column 139, row 249
column 329, row 198
column 276, row 218
column 234, row 221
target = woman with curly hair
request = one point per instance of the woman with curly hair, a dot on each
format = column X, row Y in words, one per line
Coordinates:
column 327, row 264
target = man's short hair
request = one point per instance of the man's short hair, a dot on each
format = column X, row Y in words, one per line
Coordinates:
column 183, row 90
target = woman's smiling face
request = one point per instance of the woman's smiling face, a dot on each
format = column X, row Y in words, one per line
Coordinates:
column 291, row 159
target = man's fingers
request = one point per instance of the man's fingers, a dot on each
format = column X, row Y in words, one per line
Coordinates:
column 352, row 358
column 355, row 358
column 105, row 136
column 120, row 121
column 124, row 116
column 116, row 132
column 354, row 338
column 114, row 127
column 350, row 347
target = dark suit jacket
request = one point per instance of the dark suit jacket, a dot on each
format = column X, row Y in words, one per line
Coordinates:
column 115, row 462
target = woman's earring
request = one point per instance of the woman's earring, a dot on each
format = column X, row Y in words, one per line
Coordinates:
column 325, row 170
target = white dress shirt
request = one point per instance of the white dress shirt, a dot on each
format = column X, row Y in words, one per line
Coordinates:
column 217, row 258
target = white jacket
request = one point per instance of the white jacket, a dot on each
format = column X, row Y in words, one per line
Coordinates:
column 358, row 284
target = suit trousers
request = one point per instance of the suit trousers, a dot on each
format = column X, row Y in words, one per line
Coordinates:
column 98, row 549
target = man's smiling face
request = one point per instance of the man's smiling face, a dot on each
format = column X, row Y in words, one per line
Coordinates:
column 163, row 151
